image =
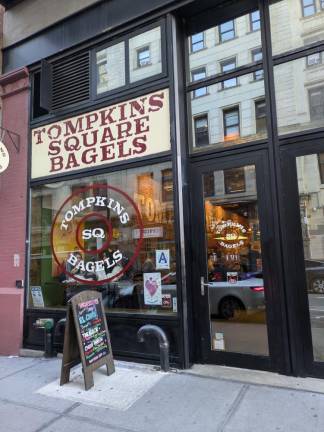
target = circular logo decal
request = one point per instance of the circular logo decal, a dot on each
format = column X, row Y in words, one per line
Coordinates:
column 97, row 234
column 4, row 157
column 230, row 234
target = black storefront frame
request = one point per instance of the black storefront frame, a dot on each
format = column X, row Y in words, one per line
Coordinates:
column 288, row 361
column 175, row 323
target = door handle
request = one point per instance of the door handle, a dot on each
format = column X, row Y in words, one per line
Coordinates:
column 202, row 285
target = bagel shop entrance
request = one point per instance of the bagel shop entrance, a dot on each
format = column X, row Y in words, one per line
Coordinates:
column 232, row 286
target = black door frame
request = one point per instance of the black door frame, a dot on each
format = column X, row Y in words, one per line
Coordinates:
column 295, row 275
column 277, row 338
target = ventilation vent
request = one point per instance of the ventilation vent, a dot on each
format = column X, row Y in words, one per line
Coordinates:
column 71, row 81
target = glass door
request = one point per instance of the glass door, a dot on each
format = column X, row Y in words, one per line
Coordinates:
column 231, row 277
column 303, row 173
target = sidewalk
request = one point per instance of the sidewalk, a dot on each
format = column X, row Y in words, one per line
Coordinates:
column 140, row 399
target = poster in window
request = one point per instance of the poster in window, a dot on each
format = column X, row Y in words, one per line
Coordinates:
column 152, row 289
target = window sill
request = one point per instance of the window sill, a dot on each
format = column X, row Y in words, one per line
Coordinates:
column 198, row 51
column 229, row 88
column 224, row 42
column 199, row 97
column 142, row 67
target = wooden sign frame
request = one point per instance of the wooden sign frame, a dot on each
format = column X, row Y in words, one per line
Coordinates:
column 73, row 350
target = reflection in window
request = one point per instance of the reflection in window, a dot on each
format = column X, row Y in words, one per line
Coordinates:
column 257, row 56
column 234, row 180
column 314, row 59
column 197, row 75
column 311, row 206
column 143, row 57
column 309, row 7
column 221, row 108
column 207, row 50
column 201, row 130
column 316, row 102
column 227, row 66
column 197, row 42
column 146, row 191
column 299, row 95
column 260, row 117
column 321, row 166
column 255, row 21
column 145, row 50
column 288, row 28
column 226, row 31
column 110, row 68
column 231, row 123
column 167, row 185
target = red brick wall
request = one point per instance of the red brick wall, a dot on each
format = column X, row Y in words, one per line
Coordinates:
column 13, row 209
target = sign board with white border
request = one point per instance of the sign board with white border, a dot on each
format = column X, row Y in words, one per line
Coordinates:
column 162, row 258
column 135, row 128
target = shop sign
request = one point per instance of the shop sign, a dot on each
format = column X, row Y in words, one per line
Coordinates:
column 4, row 157
column 230, row 234
column 136, row 128
column 154, row 232
column 83, row 231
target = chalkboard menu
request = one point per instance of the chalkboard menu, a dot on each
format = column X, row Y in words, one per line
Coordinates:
column 86, row 338
column 92, row 330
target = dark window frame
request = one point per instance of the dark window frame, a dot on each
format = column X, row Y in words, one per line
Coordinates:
column 252, row 21
column 221, row 33
column 263, row 116
column 316, row 117
column 197, row 70
column 225, row 63
column 235, row 108
column 139, row 51
column 206, row 133
column 304, row 7
column 203, row 41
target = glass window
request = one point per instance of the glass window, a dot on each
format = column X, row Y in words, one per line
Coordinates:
column 201, row 130
column 260, row 117
column 289, row 30
column 145, row 50
column 311, row 205
column 227, row 31
column 309, row 7
column 255, row 22
column 197, row 42
column 197, row 75
column 316, row 103
column 314, row 59
column 257, row 56
column 110, row 68
column 299, row 96
column 236, row 291
column 143, row 57
column 231, row 124
column 227, row 66
column 215, row 102
column 215, row 52
column 113, row 233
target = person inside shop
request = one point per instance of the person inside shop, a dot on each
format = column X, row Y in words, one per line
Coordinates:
column 148, row 266
column 216, row 270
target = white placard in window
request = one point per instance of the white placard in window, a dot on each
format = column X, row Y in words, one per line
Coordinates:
column 37, row 296
column 162, row 258
column 152, row 289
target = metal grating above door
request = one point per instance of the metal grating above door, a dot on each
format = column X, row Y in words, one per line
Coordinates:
column 71, row 81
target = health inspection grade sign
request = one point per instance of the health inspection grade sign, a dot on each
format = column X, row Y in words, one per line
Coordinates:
column 135, row 128
column 84, row 227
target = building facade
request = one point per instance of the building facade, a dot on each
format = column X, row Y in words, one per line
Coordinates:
column 169, row 155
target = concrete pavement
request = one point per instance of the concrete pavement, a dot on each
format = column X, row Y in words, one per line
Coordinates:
column 205, row 399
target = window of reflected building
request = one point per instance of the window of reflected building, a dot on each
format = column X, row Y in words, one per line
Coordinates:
column 201, row 130
column 299, row 95
column 233, row 116
column 255, row 22
column 227, row 31
column 197, row 42
column 227, row 66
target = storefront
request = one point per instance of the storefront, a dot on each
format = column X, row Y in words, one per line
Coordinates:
column 176, row 165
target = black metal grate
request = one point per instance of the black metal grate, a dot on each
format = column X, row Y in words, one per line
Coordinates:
column 71, row 81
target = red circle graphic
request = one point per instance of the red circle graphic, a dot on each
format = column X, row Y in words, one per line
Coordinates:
column 139, row 225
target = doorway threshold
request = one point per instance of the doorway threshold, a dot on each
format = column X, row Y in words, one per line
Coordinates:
column 256, row 377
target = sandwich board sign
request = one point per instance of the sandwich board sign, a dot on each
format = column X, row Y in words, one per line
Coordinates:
column 86, row 338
